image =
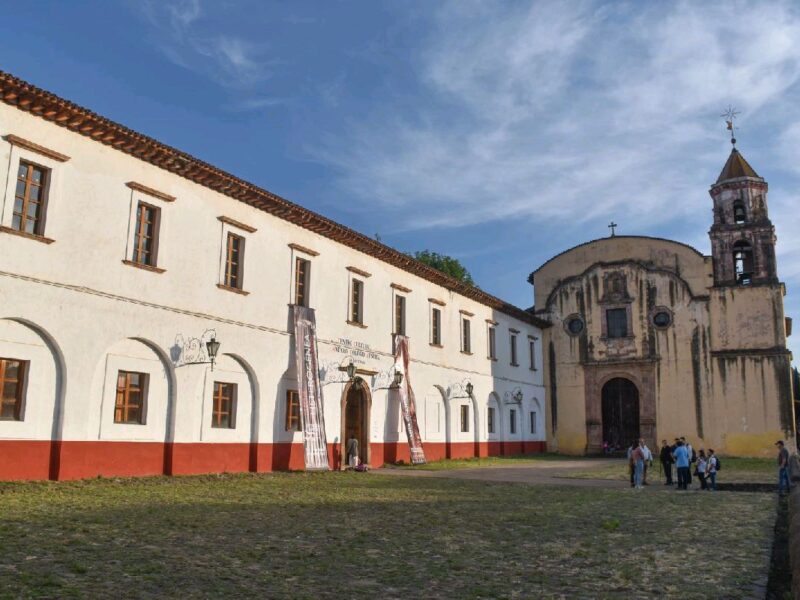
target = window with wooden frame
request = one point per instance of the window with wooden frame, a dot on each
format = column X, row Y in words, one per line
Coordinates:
column 29, row 199
column 490, row 419
column 302, row 274
column 513, row 341
column 357, row 301
column 512, row 421
column 532, row 352
column 145, row 241
column 293, row 422
column 131, row 404
column 436, row 326
column 224, row 409
column 12, row 388
column 617, row 322
column 464, row 418
column 466, row 337
column 234, row 261
column 492, row 342
column 400, row 315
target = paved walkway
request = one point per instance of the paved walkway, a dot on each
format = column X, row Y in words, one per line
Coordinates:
column 544, row 472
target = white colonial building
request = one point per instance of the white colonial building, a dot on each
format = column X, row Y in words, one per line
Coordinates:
column 121, row 258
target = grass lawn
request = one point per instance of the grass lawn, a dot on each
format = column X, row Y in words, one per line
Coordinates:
column 353, row 535
column 734, row 470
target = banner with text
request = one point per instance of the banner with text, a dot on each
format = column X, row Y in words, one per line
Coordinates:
column 407, row 403
column 312, row 416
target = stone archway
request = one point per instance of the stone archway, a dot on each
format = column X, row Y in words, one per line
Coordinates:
column 641, row 374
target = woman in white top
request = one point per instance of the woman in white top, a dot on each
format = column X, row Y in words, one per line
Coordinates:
column 702, row 465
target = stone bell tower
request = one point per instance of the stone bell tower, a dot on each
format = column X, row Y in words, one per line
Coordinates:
column 742, row 236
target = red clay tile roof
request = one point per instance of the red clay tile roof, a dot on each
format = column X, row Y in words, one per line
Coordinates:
column 44, row 104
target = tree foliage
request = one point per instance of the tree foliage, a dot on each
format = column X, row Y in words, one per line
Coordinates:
column 446, row 264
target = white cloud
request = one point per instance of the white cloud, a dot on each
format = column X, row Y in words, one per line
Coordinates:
column 191, row 39
column 570, row 111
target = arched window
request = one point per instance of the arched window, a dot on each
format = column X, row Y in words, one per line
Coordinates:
column 739, row 216
column 743, row 262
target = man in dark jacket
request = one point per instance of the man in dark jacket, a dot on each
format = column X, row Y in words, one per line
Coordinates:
column 666, row 461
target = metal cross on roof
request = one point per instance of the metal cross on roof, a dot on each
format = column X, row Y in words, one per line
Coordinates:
column 730, row 115
column 612, row 226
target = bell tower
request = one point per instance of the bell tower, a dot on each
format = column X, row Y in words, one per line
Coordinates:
column 742, row 236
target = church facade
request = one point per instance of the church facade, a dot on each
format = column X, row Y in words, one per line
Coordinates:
column 651, row 338
column 127, row 266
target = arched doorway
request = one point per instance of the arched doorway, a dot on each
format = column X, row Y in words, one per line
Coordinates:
column 356, row 404
column 620, row 399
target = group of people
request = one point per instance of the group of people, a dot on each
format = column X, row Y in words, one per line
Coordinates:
column 683, row 456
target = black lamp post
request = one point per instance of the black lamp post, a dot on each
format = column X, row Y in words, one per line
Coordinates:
column 212, row 346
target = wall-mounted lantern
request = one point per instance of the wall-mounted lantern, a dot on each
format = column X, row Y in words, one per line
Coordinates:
column 398, row 379
column 351, row 371
column 517, row 396
column 469, row 389
column 212, row 347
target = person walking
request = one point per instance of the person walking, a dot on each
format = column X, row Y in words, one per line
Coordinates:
column 648, row 460
column 665, row 456
column 711, row 470
column 631, row 464
column 692, row 458
column 700, row 470
column 352, row 452
column 637, row 459
column 681, row 457
column 783, row 466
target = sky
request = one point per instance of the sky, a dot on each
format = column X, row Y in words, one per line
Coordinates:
column 499, row 133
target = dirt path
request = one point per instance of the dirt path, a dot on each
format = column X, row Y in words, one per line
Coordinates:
column 545, row 472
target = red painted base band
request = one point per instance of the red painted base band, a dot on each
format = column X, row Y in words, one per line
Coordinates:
column 29, row 459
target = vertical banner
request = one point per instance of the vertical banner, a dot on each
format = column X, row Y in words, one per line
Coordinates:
column 312, row 417
column 407, row 403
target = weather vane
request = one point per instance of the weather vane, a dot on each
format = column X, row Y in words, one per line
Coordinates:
column 729, row 116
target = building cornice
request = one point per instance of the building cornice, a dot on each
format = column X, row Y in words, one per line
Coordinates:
column 48, row 106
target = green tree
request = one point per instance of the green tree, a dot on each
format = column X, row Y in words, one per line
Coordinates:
column 446, row 264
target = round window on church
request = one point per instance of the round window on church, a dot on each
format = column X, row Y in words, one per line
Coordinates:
column 662, row 319
column 574, row 325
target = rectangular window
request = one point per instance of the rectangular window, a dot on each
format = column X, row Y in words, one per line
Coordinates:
column 532, row 349
column 29, row 199
column 533, row 422
column 302, row 271
column 357, row 302
column 466, row 342
column 512, row 420
column 490, row 419
column 12, row 385
column 514, row 350
column 224, row 405
column 464, row 418
column 617, row 322
column 400, row 315
column 145, row 243
column 293, row 411
column 436, row 327
column 234, row 261
column 492, row 345
column 131, row 398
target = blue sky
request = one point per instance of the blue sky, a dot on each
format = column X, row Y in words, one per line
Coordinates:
column 499, row 133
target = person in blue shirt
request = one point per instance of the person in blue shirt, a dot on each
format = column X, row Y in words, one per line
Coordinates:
column 681, row 456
